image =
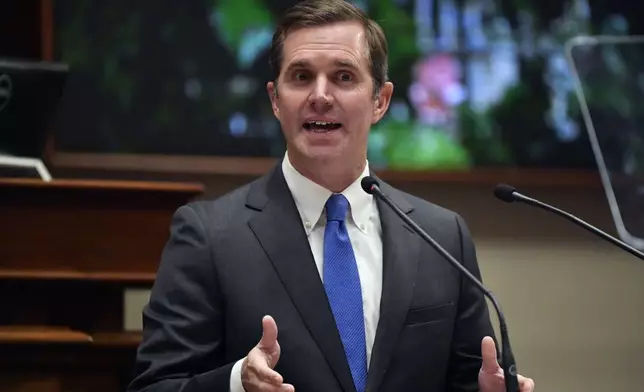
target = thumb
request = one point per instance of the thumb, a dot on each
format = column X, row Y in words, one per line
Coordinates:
column 268, row 343
column 488, row 351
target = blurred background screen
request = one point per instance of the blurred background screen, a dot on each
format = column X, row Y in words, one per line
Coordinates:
column 478, row 83
column 611, row 75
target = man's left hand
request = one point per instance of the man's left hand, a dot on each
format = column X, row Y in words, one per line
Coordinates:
column 491, row 377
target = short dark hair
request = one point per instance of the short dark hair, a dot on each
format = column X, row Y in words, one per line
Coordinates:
column 314, row 13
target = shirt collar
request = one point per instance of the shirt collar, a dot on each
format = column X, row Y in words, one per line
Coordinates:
column 311, row 197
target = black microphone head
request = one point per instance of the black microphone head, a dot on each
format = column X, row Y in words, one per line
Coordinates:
column 505, row 193
column 368, row 183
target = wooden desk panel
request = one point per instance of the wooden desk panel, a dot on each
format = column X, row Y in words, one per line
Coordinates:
column 98, row 230
column 68, row 249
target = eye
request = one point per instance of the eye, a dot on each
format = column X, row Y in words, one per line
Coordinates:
column 299, row 76
column 345, row 77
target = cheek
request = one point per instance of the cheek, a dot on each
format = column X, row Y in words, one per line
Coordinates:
column 360, row 123
column 359, row 107
column 288, row 112
column 362, row 114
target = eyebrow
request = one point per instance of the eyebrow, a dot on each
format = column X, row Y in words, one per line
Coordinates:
column 307, row 64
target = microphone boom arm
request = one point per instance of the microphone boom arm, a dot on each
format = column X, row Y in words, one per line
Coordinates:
column 508, row 362
column 580, row 222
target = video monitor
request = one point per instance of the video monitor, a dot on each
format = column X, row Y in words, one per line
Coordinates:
column 478, row 83
column 29, row 97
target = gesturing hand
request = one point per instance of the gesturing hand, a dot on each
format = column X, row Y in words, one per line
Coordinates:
column 257, row 369
column 491, row 378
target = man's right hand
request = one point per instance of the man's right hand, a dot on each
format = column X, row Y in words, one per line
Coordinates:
column 257, row 369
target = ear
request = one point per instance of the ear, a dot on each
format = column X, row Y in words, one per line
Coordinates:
column 272, row 94
column 382, row 102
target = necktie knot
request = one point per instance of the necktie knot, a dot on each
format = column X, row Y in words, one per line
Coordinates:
column 336, row 207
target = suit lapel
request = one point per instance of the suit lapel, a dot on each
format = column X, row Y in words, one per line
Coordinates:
column 279, row 230
column 400, row 264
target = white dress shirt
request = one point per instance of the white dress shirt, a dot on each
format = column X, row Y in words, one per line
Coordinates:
column 363, row 226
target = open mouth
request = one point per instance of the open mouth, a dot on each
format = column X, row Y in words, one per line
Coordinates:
column 321, row 126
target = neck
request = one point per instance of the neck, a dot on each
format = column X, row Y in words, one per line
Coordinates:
column 335, row 176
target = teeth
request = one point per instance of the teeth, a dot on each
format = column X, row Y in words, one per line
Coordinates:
column 321, row 126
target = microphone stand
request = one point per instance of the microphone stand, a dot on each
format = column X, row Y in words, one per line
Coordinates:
column 508, row 362
column 528, row 200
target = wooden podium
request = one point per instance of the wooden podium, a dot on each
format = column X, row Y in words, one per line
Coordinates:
column 68, row 250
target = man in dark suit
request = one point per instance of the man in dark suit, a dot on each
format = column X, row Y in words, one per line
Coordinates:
column 302, row 281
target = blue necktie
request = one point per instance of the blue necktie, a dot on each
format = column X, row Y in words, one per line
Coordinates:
column 342, row 285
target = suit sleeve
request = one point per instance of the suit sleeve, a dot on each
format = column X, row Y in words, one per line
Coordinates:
column 472, row 324
column 183, row 327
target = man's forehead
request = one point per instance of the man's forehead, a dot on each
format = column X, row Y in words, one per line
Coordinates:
column 347, row 32
column 346, row 37
column 337, row 45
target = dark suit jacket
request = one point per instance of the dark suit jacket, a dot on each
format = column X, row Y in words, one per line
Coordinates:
column 233, row 260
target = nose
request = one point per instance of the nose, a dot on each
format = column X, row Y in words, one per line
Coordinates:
column 320, row 98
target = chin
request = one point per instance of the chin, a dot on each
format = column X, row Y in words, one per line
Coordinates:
column 324, row 153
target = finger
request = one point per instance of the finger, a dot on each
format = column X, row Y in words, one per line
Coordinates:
column 264, row 374
column 526, row 384
column 259, row 386
column 488, row 351
column 265, row 387
column 269, row 334
column 287, row 388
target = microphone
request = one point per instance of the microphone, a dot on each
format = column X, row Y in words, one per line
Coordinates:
column 509, row 194
column 371, row 186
